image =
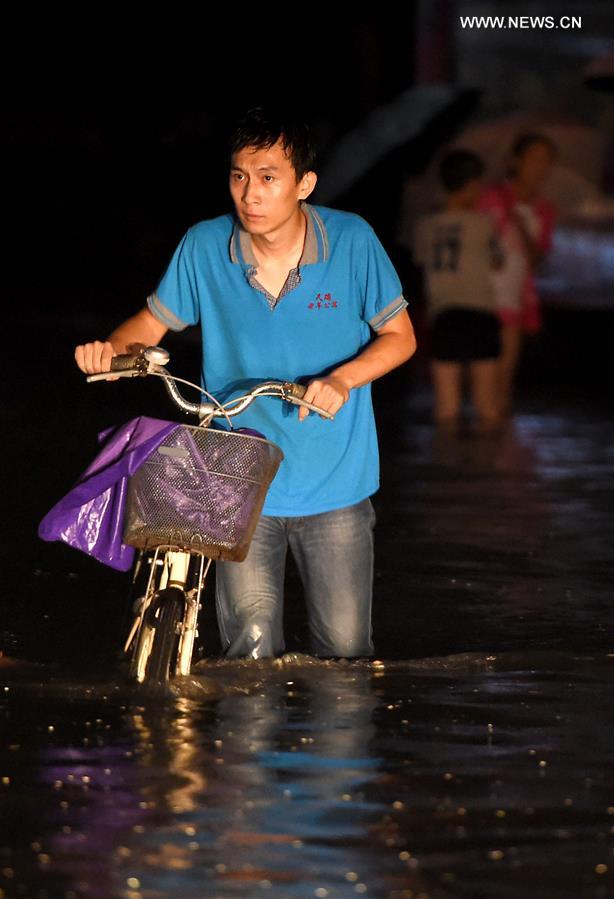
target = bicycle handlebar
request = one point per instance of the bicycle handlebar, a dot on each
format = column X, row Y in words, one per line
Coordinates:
column 152, row 361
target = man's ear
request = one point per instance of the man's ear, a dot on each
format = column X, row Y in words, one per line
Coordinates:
column 307, row 186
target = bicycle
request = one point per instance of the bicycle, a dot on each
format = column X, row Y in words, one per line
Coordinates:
column 196, row 498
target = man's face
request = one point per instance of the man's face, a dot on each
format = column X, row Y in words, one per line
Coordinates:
column 264, row 188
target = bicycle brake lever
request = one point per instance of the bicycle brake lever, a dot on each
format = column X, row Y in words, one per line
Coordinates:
column 113, row 375
column 298, row 402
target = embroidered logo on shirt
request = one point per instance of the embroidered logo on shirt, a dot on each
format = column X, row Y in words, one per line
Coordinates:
column 323, row 301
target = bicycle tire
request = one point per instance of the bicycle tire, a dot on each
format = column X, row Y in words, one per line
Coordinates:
column 165, row 616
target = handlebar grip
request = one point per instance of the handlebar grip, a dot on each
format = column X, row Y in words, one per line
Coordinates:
column 123, row 362
column 296, row 390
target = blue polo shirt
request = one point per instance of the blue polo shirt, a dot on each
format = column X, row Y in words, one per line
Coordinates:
column 343, row 289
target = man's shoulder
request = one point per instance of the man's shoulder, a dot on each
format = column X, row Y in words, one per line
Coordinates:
column 218, row 228
column 349, row 223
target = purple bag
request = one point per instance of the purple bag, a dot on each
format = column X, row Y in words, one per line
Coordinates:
column 90, row 517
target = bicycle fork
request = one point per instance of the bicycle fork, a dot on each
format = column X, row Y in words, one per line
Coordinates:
column 170, row 568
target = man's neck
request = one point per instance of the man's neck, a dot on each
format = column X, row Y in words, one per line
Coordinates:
column 287, row 241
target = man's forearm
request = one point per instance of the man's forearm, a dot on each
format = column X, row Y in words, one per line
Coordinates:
column 385, row 353
column 139, row 331
column 136, row 332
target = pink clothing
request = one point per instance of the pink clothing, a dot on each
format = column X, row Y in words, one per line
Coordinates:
column 499, row 201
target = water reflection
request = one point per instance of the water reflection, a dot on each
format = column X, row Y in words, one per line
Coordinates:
column 169, row 741
column 287, row 751
column 465, row 776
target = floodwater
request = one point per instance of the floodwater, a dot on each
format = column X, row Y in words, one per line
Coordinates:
column 472, row 759
column 468, row 776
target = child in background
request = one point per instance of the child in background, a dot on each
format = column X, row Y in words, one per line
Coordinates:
column 458, row 250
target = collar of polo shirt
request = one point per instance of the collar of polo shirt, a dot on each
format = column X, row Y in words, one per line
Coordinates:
column 315, row 250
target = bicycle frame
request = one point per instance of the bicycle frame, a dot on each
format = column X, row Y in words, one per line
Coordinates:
column 156, row 631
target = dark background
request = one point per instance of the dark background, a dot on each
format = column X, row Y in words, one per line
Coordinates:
column 117, row 127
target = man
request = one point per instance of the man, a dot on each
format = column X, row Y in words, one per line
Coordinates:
column 285, row 290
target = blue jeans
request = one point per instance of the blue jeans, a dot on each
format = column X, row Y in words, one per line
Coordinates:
column 334, row 555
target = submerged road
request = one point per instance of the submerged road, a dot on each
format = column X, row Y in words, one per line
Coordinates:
column 471, row 760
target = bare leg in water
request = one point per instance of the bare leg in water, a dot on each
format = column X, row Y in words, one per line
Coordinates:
column 484, row 393
column 447, row 387
column 511, row 344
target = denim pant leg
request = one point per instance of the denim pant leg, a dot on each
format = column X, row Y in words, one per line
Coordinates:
column 334, row 555
column 249, row 594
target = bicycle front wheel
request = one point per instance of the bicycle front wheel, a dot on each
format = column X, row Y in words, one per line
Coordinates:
column 164, row 622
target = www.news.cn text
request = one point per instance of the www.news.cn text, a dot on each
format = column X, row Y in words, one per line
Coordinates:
column 522, row 22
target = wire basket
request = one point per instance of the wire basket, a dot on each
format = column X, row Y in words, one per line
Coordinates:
column 201, row 490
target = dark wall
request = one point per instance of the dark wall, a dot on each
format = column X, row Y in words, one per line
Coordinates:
column 116, row 127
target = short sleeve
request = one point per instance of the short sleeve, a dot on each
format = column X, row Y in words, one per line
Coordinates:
column 175, row 302
column 378, row 282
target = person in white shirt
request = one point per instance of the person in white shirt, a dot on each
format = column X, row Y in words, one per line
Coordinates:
column 458, row 250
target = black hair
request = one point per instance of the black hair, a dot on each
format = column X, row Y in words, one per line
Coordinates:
column 263, row 128
column 458, row 167
column 524, row 142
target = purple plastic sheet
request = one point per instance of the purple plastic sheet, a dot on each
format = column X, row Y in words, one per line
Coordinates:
column 90, row 517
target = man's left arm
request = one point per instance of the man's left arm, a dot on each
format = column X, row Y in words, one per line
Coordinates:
column 393, row 344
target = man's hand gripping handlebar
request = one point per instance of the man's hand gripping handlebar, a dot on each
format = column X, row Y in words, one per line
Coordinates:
column 153, row 360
